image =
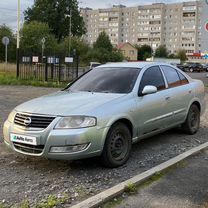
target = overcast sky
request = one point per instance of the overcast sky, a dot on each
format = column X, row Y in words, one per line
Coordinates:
column 8, row 8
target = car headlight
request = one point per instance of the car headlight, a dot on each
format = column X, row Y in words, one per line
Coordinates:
column 75, row 122
column 11, row 116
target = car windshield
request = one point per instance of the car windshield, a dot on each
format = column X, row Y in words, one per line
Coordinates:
column 107, row 80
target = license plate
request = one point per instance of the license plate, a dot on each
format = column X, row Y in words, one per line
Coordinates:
column 23, row 139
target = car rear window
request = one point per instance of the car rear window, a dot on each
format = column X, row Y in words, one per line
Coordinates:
column 171, row 76
column 183, row 79
column 107, row 80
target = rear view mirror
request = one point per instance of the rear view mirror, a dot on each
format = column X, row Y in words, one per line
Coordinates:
column 149, row 89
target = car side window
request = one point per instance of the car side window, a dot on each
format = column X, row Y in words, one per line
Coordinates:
column 152, row 76
column 183, row 79
column 171, row 76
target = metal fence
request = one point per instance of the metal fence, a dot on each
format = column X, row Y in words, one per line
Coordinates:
column 49, row 69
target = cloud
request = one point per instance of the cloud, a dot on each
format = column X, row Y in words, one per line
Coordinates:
column 8, row 12
column 8, row 9
column 108, row 3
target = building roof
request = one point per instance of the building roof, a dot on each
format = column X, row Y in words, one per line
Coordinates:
column 123, row 44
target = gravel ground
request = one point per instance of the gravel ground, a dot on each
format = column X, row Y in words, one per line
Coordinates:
column 34, row 178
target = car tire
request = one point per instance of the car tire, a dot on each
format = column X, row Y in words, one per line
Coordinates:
column 117, row 146
column 191, row 125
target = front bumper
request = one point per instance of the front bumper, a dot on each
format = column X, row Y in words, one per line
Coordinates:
column 50, row 137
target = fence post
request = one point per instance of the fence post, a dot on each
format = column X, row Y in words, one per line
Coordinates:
column 77, row 66
column 52, row 70
column 60, row 70
column 46, row 69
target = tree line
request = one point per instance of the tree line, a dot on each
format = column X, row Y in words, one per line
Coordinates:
column 146, row 51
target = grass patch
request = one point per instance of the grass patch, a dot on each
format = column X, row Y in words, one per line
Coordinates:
column 130, row 189
column 9, row 78
column 52, row 201
column 3, row 205
column 152, row 179
column 23, row 204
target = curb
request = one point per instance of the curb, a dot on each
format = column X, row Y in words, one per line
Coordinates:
column 116, row 190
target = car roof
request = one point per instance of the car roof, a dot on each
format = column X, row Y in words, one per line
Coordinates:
column 140, row 65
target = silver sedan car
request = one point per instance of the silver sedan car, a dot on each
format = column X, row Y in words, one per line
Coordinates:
column 106, row 110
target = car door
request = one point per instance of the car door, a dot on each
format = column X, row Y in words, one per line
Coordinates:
column 151, row 113
column 179, row 94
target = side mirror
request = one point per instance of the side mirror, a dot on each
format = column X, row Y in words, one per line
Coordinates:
column 149, row 89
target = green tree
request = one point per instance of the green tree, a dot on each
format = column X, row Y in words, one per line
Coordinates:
column 182, row 55
column 161, row 52
column 6, row 31
column 31, row 35
column 98, row 55
column 102, row 55
column 56, row 13
column 144, row 52
column 103, row 41
column 78, row 44
column 103, row 51
column 172, row 56
column 116, row 56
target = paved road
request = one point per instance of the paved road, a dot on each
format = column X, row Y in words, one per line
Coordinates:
column 183, row 187
column 201, row 76
column 36, row 178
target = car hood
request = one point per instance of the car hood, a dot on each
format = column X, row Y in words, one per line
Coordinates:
column 65, row 103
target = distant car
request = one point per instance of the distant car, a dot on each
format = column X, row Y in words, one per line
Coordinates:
column 193, row 67
column 106, row 110
column 180, row 66
column 205, row 67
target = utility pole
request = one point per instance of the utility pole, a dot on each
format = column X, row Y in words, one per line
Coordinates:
column 70, row 27
column 18, row 37
column 43, row 47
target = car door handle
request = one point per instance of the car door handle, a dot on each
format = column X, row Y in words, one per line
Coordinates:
column 190, row 91
column 167, row 98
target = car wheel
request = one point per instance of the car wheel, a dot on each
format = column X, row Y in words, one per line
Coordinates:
column 117, row 146
column 192, row 122
column 191, row 70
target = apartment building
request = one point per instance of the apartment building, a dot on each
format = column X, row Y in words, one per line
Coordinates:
column 178, row 25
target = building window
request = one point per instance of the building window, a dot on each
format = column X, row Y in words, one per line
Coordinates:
column 131, row 52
